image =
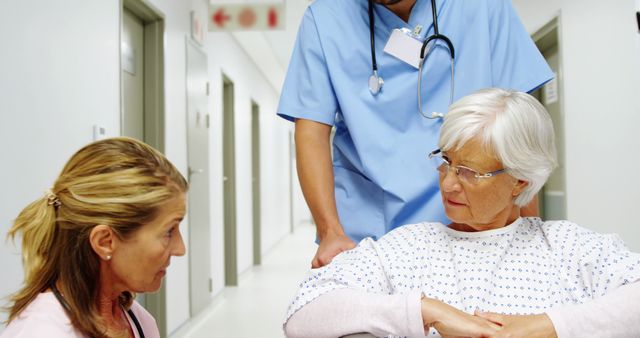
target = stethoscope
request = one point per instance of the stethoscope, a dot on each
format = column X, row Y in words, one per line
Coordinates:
column 376, row 82
column 65, row 305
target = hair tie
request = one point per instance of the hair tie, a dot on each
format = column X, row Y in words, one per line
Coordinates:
column 52, row 198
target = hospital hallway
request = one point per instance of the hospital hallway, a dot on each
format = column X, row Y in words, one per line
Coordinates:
column 257, row 306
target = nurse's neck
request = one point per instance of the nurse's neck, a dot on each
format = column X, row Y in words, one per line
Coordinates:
column 402, row 9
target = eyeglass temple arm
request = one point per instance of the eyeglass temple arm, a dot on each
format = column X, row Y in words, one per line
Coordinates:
column 493, row 173
column 434, row 153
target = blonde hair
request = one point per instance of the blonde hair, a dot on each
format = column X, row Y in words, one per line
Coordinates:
column 118, row 182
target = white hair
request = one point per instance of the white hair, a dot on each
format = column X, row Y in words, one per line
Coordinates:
column 514, row 126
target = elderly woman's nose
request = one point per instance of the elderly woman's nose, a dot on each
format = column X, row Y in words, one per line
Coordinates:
column 450, row 181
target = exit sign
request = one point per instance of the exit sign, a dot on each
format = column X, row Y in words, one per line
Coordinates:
column 239, row 17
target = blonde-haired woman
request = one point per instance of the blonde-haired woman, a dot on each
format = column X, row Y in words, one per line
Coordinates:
column 105, row 231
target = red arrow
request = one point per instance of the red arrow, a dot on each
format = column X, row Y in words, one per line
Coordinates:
column 219, row 18
column 273, row 18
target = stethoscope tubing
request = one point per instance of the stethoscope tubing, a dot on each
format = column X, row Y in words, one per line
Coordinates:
column 376, row 82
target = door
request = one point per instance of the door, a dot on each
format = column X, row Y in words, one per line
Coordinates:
column 229, row 183
column 132, row 64
column 198, row 159
column 255, row 182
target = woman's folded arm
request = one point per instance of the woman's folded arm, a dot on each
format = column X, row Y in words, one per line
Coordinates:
column 617, row 314
column 347, row 311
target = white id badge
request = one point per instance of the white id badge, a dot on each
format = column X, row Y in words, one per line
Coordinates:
column 404, row 47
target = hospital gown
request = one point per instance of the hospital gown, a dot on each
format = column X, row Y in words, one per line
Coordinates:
column 527, row 267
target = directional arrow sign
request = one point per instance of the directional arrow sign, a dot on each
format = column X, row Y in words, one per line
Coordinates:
column 272, row 18
column 219, row 18
column 243, row 17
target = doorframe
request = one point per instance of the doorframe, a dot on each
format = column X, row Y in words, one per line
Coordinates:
column 229, row 183
column 154, row 109
column 256, row 182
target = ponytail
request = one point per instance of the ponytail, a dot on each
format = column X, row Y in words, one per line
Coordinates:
column 37, row 225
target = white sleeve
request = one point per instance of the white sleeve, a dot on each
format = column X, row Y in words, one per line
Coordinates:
column 361, row 268
column 615, row 314
column 347, row 311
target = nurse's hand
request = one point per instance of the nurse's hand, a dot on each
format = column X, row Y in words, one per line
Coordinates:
column 330, row 246
column 517, row 326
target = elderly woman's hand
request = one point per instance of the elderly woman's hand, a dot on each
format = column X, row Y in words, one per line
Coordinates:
column 451, row 322
column 516, row 326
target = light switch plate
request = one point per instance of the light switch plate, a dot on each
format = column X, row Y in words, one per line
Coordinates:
column 99, row 132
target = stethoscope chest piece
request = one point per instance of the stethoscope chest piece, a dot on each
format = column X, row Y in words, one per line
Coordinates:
column 375, row 83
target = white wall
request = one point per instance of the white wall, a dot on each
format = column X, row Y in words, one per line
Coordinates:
column 600, row 55
column 60, row 76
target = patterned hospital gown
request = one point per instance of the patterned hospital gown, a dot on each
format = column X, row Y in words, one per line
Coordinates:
column 524, row 268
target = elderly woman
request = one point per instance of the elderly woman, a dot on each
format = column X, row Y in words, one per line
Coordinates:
column 489, row 272
column 105, row 231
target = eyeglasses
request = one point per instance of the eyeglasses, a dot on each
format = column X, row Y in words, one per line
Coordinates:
column 465, row 174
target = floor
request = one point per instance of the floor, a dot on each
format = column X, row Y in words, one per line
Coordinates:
column 256, row 308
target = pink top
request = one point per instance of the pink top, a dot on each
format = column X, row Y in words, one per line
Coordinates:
column 45, row 317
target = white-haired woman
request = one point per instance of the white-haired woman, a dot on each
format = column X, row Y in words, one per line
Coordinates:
column 489, row 273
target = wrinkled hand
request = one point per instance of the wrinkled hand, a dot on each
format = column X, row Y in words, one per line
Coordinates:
column 451, row 322
column 330, row 246
column 528, row 326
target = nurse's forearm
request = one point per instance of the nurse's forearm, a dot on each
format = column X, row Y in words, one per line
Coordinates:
column 315, row 172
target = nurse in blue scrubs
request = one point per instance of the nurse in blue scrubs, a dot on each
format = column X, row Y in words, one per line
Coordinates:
column 380, row 176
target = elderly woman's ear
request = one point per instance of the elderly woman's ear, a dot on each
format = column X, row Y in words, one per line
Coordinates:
column 519, row 186
column 102, row 239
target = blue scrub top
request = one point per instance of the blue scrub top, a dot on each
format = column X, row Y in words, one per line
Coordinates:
column 383, row 178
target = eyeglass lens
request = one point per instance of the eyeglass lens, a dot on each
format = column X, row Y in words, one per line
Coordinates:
column 465, row 174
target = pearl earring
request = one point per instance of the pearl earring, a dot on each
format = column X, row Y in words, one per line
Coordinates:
column 108, row 257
